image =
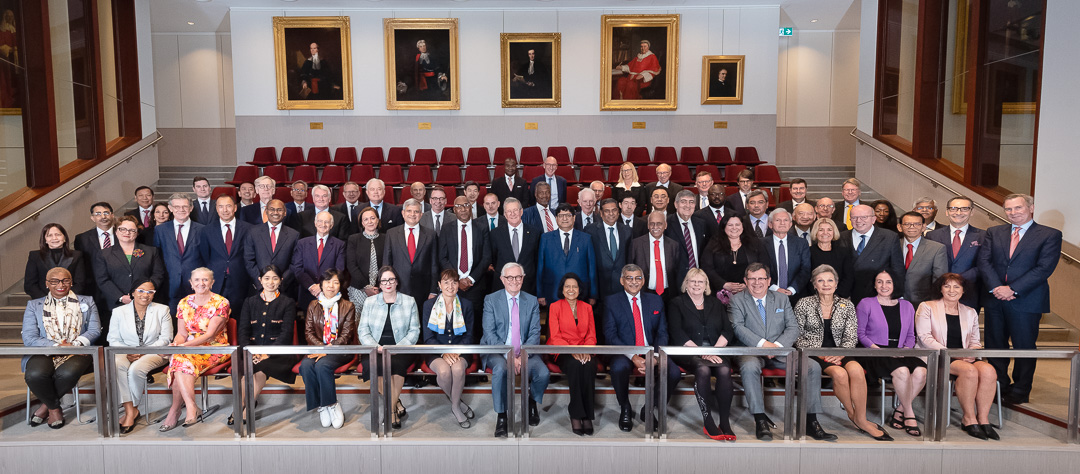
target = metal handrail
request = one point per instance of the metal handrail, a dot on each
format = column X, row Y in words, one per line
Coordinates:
column 897, row 159
column 789, row 354
column 84, row 184
column 95, row 352
column 249, row 382
column 933, row 402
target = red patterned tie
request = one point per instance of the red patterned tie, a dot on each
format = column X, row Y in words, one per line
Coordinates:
column 910, row 252
column 463, row 265
column 107, row 242
column 659, row 272
column 639, row 329
column 320, row 250
column 146, row 219
column 273, row 238
column 412, row 246
column 956, row 244
column 180, row 239
column 547, row 221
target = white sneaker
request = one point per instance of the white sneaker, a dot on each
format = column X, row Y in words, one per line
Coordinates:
column 337, row 418
column 324, row 416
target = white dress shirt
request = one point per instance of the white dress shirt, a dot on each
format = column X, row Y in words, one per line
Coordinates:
column 630, row 301
column 856, row 237
column 776, row 251
column 415, row 232
column 112, row 237
column 652, row 259
column 232, row 226
column 952, row 232
column 468, row 242
column 693, row 237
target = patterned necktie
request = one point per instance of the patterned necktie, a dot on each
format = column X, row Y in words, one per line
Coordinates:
column 180, row 239
column 757, row 228
column 107, row 242
column 515, row 326
column 689, row 244
column 228, row 239
column 613, row 244
column 463, row 263
column 146, row 219
column 588, row 221
column 781, row 267
column 719, row 216
column 659, row 272
column 847, row 217
column 1014, row 241
column 862, row 245
column 515, row 244
column 547, row 220
column 956, row 244
column 373, row 264
column 639, row 328
column 412, row 246
column 492, row 223
column 761, row 312
column 566, row 243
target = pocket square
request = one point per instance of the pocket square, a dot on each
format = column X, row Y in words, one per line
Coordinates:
column 779, row 310
column 655, row 312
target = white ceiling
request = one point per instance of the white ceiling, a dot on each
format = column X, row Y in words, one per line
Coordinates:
column 172, row 16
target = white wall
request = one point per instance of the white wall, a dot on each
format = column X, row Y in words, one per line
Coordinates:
column 818, row 79
column 193, row 77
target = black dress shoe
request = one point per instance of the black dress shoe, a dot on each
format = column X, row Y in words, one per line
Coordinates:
column 655, row 422
column 500, row 426
column 586, row 427
column 974, row 431
column 990, row 432
column 1014, row 399
column 761, row 429
column 534, row 414
column 626, row 419
column 813, row 428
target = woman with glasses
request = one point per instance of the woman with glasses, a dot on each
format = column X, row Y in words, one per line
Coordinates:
column 628, row 185
column 391, row 316
column 117, row 268
column 140, row 323
column 54, row 250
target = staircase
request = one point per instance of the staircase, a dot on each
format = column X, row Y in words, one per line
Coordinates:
column 12, row 304
column 177, row 179
column 826, row 181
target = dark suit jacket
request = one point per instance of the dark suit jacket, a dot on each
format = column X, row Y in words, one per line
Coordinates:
column 560, row 185
column 88, row 245
column 882, row 251
column 672, row 189
column 531, row 217
column 579, row 220
column 353, row 225
column 1028, row 270
column 428, row 219
column 674, row 262
column 307, row 267
column 231, row 278
column 686, row 323
column 798, row 263
column 252, row 214
column 449, row 245
column 178, row 267
column 552, row 264
column 486, row 219
column 116, row 277
column 136, row 213
column 838, row 214
column 430, row 337
column 608, row 269
column 290, row 209
column 37, row 268
column 502, row 252
column 675, row 232
column 306, row 220
column 520, row 191
column 358, row 259
column 638, row 226
column 790, row 206
column 619, row 320
column 420, row 276
column 708, row 216
column 389, row 217
column 258, row 254
column 966, row 262
column 198, row 216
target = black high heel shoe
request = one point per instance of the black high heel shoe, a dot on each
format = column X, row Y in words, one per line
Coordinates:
column 990, row 433
column 975, row 431
column 884, row 434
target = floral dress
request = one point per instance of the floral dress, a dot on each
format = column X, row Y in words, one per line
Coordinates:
column 197, row 319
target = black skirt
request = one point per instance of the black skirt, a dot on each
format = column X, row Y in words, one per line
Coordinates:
column 399, row 365
column 278, row 366
column 880, row 367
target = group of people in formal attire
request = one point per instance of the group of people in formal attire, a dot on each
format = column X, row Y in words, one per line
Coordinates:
column 654, row 265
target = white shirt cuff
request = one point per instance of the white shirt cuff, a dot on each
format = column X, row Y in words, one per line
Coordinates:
column 761, row 343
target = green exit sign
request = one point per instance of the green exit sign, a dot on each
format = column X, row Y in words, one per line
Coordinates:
column 787, row 31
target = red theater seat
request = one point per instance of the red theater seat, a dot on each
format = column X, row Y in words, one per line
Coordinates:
column 419, row 173
column 530, row 172
column 638, row 155
column 589, row 174
column 767, row 175
column 279, row 173
column 561, row 154
column 333, row 175
column 681, row 174
column 391, row 175
column 504, row 152
column 398, row 155
column 691, row 155
column 219, row 191
column 318, row 155
column 646, row 174
column 712, row 170
column 425, row 156
column 452, row 156
column 244, row 174
column 720, row 156
column 264, row 156
column 306, row 173
column 345, row 156
column 611, row 155
column 731, row 173
column 585, row 156
column 531, row 155
column 566, row 172
column 371, row 155
column 747, row 155
column 665, row 154
column 478, row 155
column 282, row 193
column 361, row 174
column 292, row 155
column 478, row 173
column 448, row 175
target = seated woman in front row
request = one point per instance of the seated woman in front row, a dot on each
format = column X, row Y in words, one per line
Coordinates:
column 392, row 317
column 140, row 323
column 60, row 318
column 331, row 321
column 570, row 322
column 267, row 319
column 945, row 323
column 449, row 320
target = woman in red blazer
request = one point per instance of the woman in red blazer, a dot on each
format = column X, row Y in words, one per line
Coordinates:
column 945, row 323
column 570, row 322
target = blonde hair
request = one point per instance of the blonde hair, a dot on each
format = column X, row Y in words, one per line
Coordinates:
column 823, row 221
column 692, row 272
column 633, row 171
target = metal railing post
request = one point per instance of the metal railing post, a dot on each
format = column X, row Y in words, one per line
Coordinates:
column 249, row 391
column 523, row 429
column 804, row 368
column 1074, row 399
column 663, row 395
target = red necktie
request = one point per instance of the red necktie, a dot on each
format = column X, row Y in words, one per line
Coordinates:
column 146, row 219
column 719, row 216
column 639, row 329
column 910, row 252
column 956, row 244
column 547, row 220
column 273, row 238
column 412, row 246
column 228, row 239
column 463, row 265
column 320, row 249
column 1014, row 241
column 180, row 239
column 659, row 272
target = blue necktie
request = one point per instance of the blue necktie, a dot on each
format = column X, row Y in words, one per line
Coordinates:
column 761, row 311
column 862, row 244
column 612, row 243
column 781, row 277
column 492, row 223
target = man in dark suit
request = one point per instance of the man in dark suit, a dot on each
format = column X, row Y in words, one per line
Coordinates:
column 764, row 318
column 962, row 242
column 299, row 193
column 144, row 210
column 687, row 229
column 664, row 272
column 703, row 182
column 663, row 177
column 713, row 211
column 852, row 190
column 635, row 318
column 539, row 216
column 179, row 259
column 874, row 250
column 611, row 242
column 798, row 195
column 563, row 251
column 350, row 208
column 315, row 255
column 91, row 242
column 756, row 205
column 514, row 242
column 419, row 192
column 510, row 184
column 221, row 248
column 736, row 202
column 264, row 188
column 412, row 251
column 1015, row 264
column 789, row 257
column 271, row 243
column 924, row 259
column 627, row 209
column 587, row 213
column 320, row 197
column 438, row 214
column 804, row 218
column 556, row 183
column 389, row 214
column 824, row 209
column 489, row 212
column 203, row 209
column 927, row 208
column 465, row 247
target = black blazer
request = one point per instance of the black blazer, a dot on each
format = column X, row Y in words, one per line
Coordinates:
column 353, row 225
column 685, row 323
column 637, row 192
column 720, row 268
column 306, row 221
column 609, row 270
column 36, row 268
column 258, row 254
column 87, row 243
column 798, row 263
column 838, row 215
column 734, row 203
column 266, row 324
column 481, row 248
column 673, row 188
column 520, row 191
column 358, row 259
column 579, row 220
column 638, row 226
column 842, row 261
column 790, row 206
column 708, row 216
column 502, row 253
column 390, row 215
column 882, row 251
column 136, row 213
column 675, row 231
column 430, row 337
column 419, row 277
column 675, row 262
column 116, row 277
column 198, row 216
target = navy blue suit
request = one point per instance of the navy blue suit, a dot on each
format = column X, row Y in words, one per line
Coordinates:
column 1027, row 272
column 178, row 266
column 552, row 264
column 307, row 267
column 619, row 330
column 966, row 262
column 199, row 216
column 798, row 264
column 560, row 187
column 231, row 279
column 532, row 219
column 252, row 214
column 258, row 254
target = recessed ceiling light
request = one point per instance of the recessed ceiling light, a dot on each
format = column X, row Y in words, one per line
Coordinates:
column 191, row 23
column 814, row 20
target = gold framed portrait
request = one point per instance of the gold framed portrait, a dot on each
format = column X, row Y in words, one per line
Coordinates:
column 313, row 62
column 531, row 75
column 421, row 64
column 639, row 62
column 722, row 79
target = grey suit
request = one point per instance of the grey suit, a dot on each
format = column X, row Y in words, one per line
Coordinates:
column 427, row 219
column 496, row 328
column 781, row 328
column 928, row 263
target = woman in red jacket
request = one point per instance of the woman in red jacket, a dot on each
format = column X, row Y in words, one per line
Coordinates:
column 571, row 324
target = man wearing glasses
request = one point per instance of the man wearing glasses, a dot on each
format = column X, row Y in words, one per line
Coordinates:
column 962, row 241
column 927, row 208
column 874, row 250
column 178, row 240
column 924, row 259
column 93, row 241
column 264, row 188
column 736, row 202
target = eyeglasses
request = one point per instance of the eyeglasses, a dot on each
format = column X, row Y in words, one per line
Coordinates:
column 911, row 225
column 514, row 277
column 264, row 186
column 102, row 214
column 859, row 218
column 634, row 278
column 958, row 209
column 386, row 281
column 925, row 208
column 53, row 281
column 125, row 230
column 461, row 206
column 827, row 206
column 145, row 292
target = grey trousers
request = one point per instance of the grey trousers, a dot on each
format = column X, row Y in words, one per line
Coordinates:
column 750, row 370
column 131, row 376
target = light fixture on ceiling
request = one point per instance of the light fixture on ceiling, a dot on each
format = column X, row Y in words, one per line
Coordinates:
column 815, row 20
column 202, row 1
column 191, row 23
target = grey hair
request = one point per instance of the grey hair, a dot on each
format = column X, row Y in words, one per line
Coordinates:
column 412, row 202
column 184, row 196
column 510, row 265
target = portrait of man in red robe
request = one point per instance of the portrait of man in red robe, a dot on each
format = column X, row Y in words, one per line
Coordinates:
column 637, row 74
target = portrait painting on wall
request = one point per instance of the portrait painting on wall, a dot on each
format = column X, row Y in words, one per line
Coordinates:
column 313, row 62
column 722, row 79
column 639, row 62
column 421, row 64
column 531, row 74
column 10, row 63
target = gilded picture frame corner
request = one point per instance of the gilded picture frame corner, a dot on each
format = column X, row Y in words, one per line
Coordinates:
column 393, row 25
column 510, row 81
column 282, row 71
column 709, row 91
column 608, row 61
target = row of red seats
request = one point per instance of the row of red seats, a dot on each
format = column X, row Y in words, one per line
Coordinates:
column 530, row 155
column 393, row 175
